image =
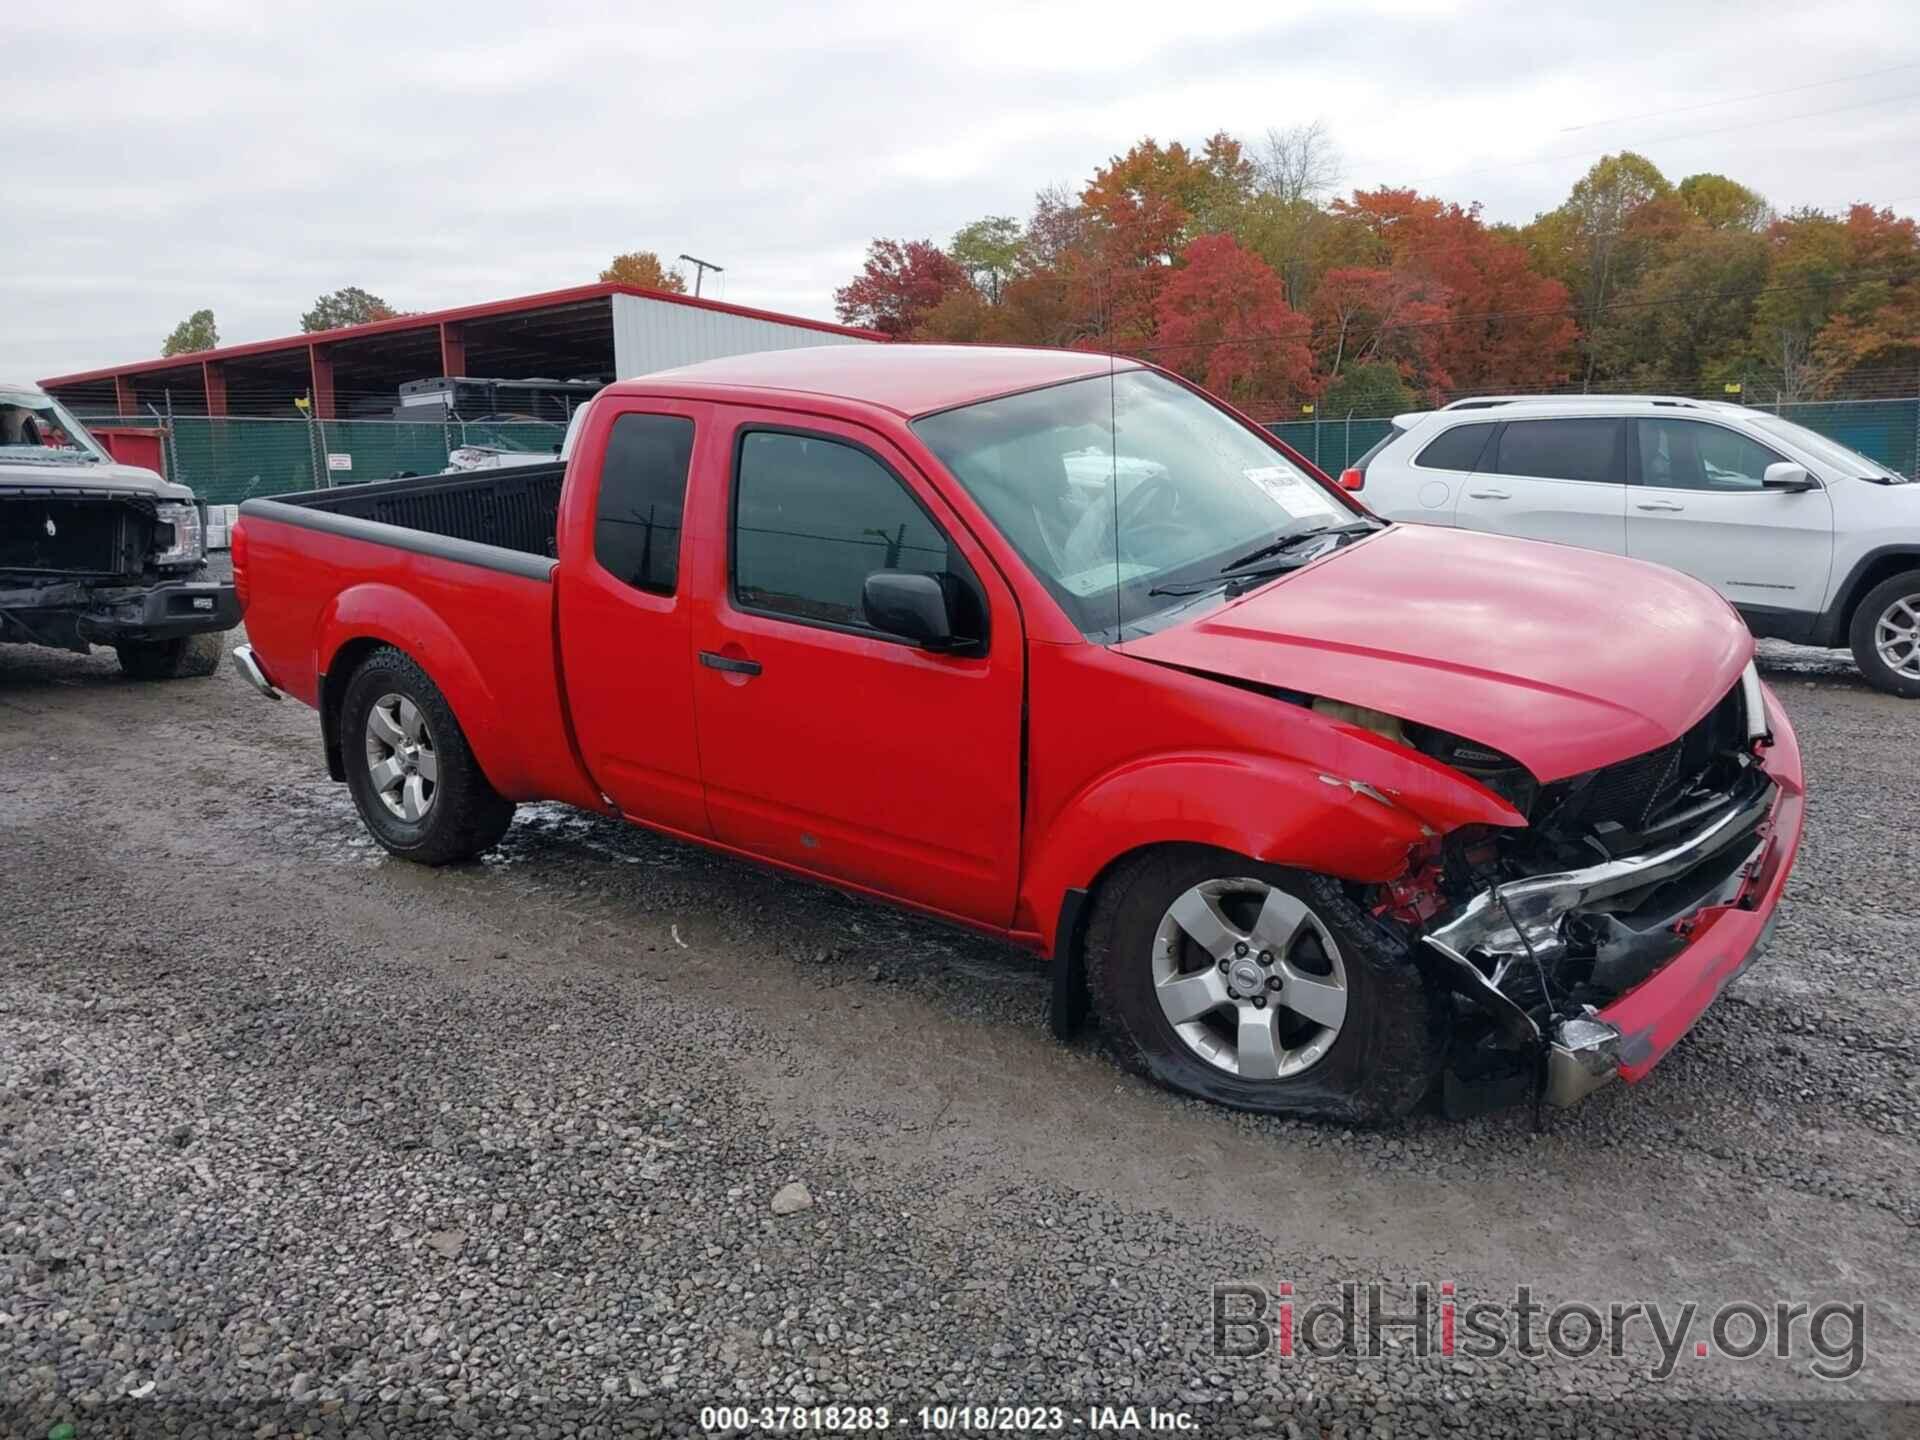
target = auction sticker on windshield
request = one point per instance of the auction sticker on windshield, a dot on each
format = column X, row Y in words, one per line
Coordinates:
column 1293, row 492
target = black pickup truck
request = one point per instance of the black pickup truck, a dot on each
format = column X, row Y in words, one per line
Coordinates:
column 97, row 553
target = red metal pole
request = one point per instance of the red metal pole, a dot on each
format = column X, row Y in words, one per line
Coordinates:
column 453, row 348
column 213, row 374
column 321, row 365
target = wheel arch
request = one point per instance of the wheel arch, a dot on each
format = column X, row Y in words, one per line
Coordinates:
column 1872, row 569
column 1274, row 810
column 367, row 618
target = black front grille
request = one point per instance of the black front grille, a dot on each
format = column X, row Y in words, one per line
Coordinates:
column 85, row 535
column 1636, row 793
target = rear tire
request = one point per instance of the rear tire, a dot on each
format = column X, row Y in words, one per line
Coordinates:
column 189, row 656
column 1885, row 635
column 1366, row 1046
column 413, row 777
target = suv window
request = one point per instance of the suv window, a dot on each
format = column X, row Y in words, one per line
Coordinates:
column 1562, row 450
column 813, row 518
column 1457, row 449
column 643, row 490
column 1690, row 455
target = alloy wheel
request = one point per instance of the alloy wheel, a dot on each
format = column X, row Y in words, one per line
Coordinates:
column 1249, row 978
column 401, row 759
column 1896, row 637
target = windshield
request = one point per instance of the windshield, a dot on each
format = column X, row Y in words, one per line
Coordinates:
column 1828, row 452
column 37, row 427
column 1115, row 487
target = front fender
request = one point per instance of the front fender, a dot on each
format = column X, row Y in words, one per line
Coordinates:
column 1279, row 810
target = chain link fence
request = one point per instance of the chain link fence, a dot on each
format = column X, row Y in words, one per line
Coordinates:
column 230, row 460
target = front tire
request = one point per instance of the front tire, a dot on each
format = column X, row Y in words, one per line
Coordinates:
column 1259, row 987
column 187, row 657
column 412, row 775
column 1885, row 635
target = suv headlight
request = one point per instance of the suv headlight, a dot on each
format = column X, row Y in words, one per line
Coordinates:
column 180, row 535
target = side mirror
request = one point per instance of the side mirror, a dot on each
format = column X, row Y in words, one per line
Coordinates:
column 1785, row 475
column 915, row 606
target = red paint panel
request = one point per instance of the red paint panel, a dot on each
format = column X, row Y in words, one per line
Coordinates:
column 1654, row 1015
column 1564, row 659
column 485, row 638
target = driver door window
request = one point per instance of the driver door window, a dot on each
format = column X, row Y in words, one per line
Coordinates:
column 1690, row 455
column 813, row 518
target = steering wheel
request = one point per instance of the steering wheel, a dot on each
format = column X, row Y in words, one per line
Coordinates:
column 1150, row 514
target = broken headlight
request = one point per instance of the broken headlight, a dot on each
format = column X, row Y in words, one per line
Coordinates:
column 179, row 536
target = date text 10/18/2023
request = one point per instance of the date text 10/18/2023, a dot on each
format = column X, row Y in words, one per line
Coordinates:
column 942, row 1419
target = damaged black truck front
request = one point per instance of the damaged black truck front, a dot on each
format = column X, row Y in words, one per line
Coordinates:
column 97, row 553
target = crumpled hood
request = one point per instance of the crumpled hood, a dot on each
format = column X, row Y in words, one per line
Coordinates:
column 106, row 475
column 1565, row 659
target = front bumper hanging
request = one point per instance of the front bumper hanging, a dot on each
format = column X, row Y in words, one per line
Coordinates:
column 1752, row 843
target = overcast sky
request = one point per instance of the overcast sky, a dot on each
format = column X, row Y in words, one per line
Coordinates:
column 248, row 156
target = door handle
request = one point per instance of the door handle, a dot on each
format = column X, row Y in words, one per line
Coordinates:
column 1491, row 494
column 729, row 664
column 1657, row 505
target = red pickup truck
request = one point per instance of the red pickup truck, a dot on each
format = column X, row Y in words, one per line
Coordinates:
column 1322, row 813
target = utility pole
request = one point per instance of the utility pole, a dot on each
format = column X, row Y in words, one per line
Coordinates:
column 700, row 271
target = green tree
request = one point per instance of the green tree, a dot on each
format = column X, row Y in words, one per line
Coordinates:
column 643, row 268
column 989, row 250
column 1722, row 203
column 348, row 306
column 196, row 332
column 1367, row 390
column 1689, row 314
column 1592, row 244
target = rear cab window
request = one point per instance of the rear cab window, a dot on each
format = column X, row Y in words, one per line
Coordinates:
column 1584, row 449
column 643, row 493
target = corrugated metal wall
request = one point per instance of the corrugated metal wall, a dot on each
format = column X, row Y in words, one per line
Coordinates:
column 651, row 335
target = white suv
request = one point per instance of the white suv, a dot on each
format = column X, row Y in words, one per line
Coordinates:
column 1810, row 541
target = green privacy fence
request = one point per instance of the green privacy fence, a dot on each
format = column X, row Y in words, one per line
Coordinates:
column 230, row 460
column 1331, row 444
column 1884, row 430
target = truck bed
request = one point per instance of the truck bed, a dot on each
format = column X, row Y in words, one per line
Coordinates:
column 513, row 508
column 454, row 570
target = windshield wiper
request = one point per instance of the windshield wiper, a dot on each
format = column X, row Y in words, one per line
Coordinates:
column 1287, row 542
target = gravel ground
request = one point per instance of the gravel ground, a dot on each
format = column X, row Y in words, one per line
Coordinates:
column 294, row 1137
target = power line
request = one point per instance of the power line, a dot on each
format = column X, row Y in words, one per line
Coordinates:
column 1742, row 99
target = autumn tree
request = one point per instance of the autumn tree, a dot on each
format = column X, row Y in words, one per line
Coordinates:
column 196, row 332
column 1224, row 322
column 1875, row 323
column 348, row 306
column 901, row 282
column 1396, row 317
column 1299, row 163
column 1507, row 326
column 644, row 269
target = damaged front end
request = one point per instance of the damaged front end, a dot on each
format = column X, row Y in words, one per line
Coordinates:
column 1545, row 931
